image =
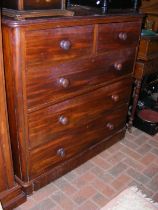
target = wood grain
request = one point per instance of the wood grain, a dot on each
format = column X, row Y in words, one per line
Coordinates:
column 11, row 194
column 42, row 82
column 96, row 83
column 44, row 125
column 108, row 36
column 47, row 47
column 75, row 141
column 148, row 48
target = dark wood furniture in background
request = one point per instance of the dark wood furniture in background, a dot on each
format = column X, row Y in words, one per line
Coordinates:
column 147, row 59
column 147, row 64
column 34, row 5
column 68, row 88
column 21, row 9
column 11, row 194
column 150, row 8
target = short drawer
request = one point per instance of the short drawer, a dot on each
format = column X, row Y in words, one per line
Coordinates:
column 49, row 123
column 117, row 36
column 54, row 84
column 44, row 47
column 75, row 141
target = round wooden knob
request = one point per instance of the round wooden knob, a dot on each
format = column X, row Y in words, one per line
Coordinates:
column 64, row 82
column 123, row 36
column 61, row 152
column 118, row 66
column 63, row 120
column 115, row 98
column 110, row 126
column 65, row 44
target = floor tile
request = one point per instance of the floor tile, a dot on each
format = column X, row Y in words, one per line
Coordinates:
column 100, row 199
column 88, row 205
column 46, row 204
column 138, row 176
column 118, row 169
column 121, row 181
column 153, row 184
column 151, row 170
column 84, row 194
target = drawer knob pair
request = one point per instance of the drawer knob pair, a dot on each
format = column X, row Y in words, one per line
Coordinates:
column 64, row 82
column 63, row 120
column 65, row 44
column 61, row 152
column 122, row 36
column 110, row 126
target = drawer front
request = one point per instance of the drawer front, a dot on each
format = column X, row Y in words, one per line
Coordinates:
column 52, row 85
column 44, row 47
column 55, row 121
column 42, row 4
column 75, row 141
column 118, row 35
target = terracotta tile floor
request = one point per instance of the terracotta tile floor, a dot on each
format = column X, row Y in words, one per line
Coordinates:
column 132, row 161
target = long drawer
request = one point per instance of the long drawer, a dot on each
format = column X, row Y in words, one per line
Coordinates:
column 52, row 85
column 76, row 140
column 44, row 47
column 117, row 36
column 52, row 122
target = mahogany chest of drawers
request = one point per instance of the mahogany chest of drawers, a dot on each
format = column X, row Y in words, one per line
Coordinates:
column 68, row 88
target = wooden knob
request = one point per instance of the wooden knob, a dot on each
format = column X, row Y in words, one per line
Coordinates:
column 123, row 36
column 64, row 82
column 118, row 66
column 115, row 98
column 63, row 120
column 110, row 126
column 65, row 44
column 61, row 152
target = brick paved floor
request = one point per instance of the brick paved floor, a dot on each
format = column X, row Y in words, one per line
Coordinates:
column 132, row 161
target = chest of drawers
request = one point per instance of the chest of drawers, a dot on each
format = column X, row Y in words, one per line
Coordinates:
column 68, row 87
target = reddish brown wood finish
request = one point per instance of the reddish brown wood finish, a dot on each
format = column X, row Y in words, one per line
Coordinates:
column 148, row 48
column 64, row 98
column 11, row 194
column 48, row 46
column 76, row 140
column 32, row 4
column 77, row 160
column 118, row 36
column 44, row 125
column 43, row 83
column 147, row 64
